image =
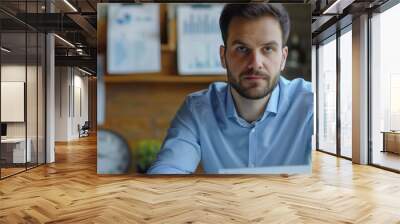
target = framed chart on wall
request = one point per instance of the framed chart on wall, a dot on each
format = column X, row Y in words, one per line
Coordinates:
column 199, row 39
column 12, row 101
column 133, row 38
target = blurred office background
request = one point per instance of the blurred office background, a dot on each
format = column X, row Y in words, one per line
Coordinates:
column 151, row 56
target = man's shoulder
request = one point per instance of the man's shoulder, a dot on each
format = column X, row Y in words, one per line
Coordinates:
column 297, row 86
column 214, row 91
column 297, row 92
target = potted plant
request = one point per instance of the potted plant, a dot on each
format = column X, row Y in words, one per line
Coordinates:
column 146, row 151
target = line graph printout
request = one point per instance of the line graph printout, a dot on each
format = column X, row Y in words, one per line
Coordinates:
column 133, row 39
column 199, row 39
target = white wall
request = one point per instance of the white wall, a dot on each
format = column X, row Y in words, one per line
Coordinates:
column 61, row 103
column 16, row 73
column 13, row 73
column 80, row 110
column 33, row 126
column 71, row 93
column 12, row 101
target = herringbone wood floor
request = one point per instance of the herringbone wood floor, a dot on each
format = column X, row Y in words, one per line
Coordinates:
column 70, row 191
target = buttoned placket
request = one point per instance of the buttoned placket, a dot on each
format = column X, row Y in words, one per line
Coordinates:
column 252, row 145
column 252, row 135
column 253, row 140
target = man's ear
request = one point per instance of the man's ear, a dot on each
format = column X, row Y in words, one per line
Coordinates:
column 285, row 52
column 222, row 55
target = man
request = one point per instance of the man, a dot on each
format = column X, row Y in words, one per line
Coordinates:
column 256, row 119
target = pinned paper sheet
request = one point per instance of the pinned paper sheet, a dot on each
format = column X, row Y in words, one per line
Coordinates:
column 199, row 39
column 133, row 39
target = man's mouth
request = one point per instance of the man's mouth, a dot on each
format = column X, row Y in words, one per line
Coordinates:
column 253, row 77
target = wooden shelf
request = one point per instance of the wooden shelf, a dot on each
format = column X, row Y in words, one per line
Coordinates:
column 157, row 78
column 167, row 47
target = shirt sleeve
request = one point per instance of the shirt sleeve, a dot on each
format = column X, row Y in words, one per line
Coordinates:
column 180, row 152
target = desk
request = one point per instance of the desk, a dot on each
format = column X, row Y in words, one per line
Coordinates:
column 391, row 141
column 17, row 150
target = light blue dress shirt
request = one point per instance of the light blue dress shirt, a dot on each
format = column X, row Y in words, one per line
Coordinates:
column 208, row 129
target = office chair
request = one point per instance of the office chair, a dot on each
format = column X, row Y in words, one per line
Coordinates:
column 84, row 130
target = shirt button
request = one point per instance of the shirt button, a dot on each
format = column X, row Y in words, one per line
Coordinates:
column 253, row 130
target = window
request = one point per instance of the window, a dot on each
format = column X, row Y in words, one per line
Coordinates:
column 327, row 96
column 346, row 93
column 385, row 89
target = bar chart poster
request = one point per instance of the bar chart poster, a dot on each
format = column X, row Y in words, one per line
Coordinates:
column 199, row 39
column 133, row 44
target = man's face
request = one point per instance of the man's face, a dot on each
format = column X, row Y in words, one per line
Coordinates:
column 254, row 56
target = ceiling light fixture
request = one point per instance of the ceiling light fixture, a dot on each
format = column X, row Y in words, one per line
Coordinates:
column 64, row 40
column 84, row 71
column 70, row 5
column 337, row 7
column 5, row 50
column 329, row 9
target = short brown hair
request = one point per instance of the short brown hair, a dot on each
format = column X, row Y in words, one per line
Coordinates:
column 252, row 11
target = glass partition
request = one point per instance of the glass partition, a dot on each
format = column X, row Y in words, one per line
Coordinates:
column 385, row 89
column 41, row 158
column 14, row 153
column 31, row 100
column 346, row 93
column 327, row 96
column 22, row 77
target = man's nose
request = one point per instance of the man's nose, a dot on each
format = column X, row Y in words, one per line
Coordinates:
column 255, row 61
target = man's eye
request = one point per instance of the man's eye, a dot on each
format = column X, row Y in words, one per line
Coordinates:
column 268, row 49
column 242, row 49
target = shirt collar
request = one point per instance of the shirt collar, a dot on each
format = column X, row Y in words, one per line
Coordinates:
column 230, row 105
column 272, row 106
